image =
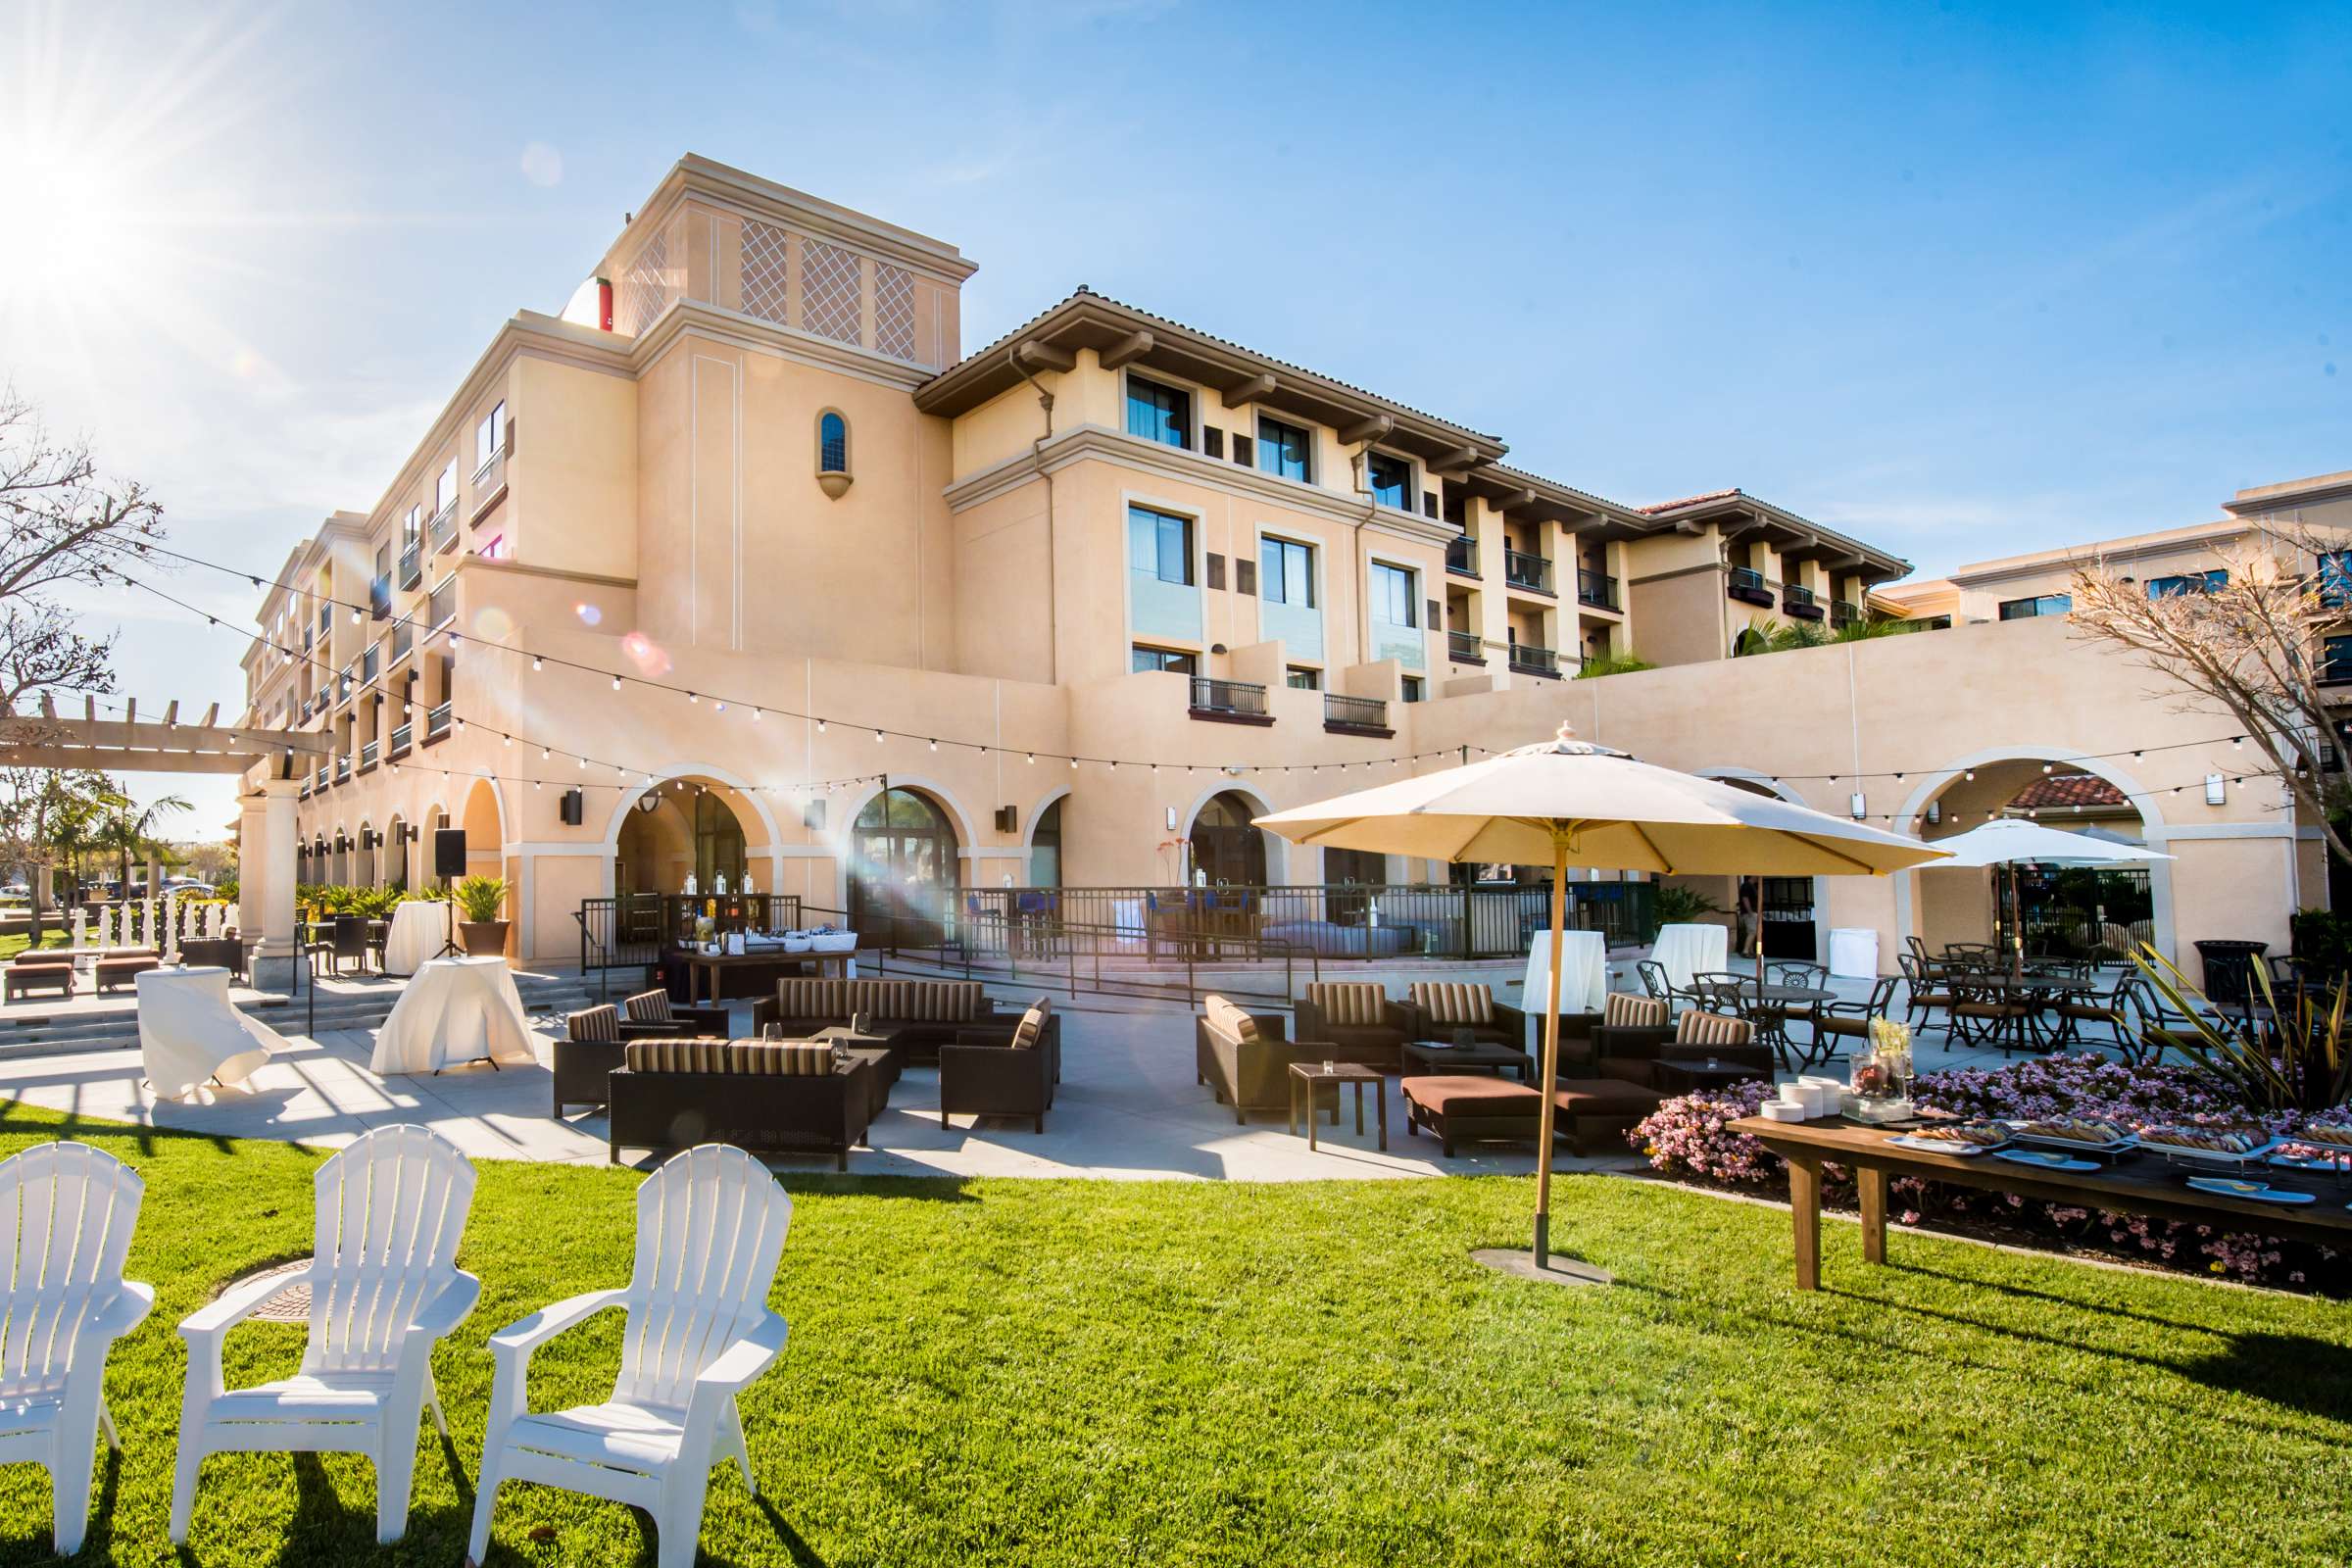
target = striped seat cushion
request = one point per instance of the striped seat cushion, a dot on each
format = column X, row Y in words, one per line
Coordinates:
column 918, row 1001
column 1033, row 1023
column 1228, row 1020
column 601, row 1024
column 649, row 1006
column 1627, row 1011
column 677, row 1056
column 803, row 996
column 1348, row 1004
column 1698, row 1028
column 1453, row 1001
column 785, row 1058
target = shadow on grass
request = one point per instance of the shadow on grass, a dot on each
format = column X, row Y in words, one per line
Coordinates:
column 2288, row 1370
column 18, row 1119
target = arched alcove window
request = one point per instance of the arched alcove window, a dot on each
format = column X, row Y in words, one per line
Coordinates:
column 832, row 451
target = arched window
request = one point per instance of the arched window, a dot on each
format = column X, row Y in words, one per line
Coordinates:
column 832, row 451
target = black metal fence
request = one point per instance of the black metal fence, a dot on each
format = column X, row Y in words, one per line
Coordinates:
column 630, row 929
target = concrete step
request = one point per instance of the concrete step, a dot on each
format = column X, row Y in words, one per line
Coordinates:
column 63, row 1034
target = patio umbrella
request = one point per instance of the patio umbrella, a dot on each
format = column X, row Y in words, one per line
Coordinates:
column 2012, row 841
column 1565, row 801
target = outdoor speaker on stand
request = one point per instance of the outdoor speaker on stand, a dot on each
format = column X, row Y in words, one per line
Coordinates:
column 449, row 861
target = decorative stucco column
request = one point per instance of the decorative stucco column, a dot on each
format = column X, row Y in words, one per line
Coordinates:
column 265, row 882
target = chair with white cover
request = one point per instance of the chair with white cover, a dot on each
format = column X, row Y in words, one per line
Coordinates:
column 384, row 1289
column 710, row 1224
column 66, row 1216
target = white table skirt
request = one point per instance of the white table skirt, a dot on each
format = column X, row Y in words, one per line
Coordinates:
column 455, row 1009
column 188, row 1032
column 1683, row 951
column 1584, row 972
column 418, row 928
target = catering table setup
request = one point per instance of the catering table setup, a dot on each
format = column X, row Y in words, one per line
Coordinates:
column 454, row 1011
column 190, row 1034
column 2197, row 1173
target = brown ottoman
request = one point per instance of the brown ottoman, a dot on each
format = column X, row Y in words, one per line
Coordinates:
column 114, row 974
column 24, row 978
column 1477, row 1109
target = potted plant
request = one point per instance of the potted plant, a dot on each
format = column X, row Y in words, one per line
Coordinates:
column 480, row 929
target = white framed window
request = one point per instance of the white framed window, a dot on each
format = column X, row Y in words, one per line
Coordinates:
column 490, row 436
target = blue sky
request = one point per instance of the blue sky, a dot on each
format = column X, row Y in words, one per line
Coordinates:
column 1964, row 280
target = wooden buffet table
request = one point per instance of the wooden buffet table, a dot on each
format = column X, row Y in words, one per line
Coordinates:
column 2141, row 1182
column 770, row 962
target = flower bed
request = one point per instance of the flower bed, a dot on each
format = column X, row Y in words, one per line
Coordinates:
column 1690, row 1138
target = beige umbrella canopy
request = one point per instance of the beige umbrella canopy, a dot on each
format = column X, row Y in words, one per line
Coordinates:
column 1565, row 801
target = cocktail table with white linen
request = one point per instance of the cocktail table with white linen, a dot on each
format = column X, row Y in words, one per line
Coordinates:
column 1685, row 951
column 420, row 928
column 188, row 1032
column 455, row 1010
column 1584, row 973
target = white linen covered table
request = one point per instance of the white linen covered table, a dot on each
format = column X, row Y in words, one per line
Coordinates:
column 455, row 1009
column 1584, row 972
column 1683, row 951
column 418, row 928
column 189, row 1033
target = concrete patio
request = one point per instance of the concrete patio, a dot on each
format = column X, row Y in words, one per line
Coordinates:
column 1128, row 1109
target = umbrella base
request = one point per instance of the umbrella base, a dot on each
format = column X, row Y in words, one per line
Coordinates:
column 1520, row 1263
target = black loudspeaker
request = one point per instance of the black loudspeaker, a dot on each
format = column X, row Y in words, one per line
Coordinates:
column 572, row 807
column 1008, row 819
column 449, row 852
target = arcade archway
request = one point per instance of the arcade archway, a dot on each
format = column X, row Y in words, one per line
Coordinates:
column 904, row 866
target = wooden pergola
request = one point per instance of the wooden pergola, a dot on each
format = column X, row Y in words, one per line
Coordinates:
column 265, row 814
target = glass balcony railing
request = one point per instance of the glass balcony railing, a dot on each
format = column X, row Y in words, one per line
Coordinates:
column 342, row 767
column 1212, row 696
column 445, row 527
column 379, row 598
column 368, row 754
column 436, row 722
column 442, row 607
column 412, row 564
column 1747, row 585
column 1595, row 588
column 1462, row 557
column 1523, row 570
column 403, row 637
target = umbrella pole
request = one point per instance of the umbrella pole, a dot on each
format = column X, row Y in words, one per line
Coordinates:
column 1552, row 1051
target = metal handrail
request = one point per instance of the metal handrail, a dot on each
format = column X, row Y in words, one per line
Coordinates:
column 1595, row 588
column 1465, row 645
column 1213, row 696
column 1462, row 557
column 1526, row 656
column 1523, row 570
column 1360, row 713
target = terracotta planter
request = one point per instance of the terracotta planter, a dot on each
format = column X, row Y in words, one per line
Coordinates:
column 482, row 939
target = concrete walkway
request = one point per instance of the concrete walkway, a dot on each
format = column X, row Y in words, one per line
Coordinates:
column 1128, row 1109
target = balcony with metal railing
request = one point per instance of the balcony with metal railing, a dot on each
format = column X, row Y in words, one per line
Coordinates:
column 372, row 663
column 436, row 722
column 343, row 686
column 1238, row 702
column 1844, row 612
column 342, row 766
column 368, row 756
column 1800, row 601
column 1465, row 647
column 1523, row 570
column 1356, row 715
column 1529, row 660
column 318, row 779
column 403, row 637
column 1748, row 586
column 441, row 607
column 1462, row 557
column 412, row 563
column 399, row 743
column 1595, row 588
column 444, row 529
column 379, row 598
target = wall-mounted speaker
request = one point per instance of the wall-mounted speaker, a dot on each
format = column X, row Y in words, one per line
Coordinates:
column 573, row 809
column 1008, row 819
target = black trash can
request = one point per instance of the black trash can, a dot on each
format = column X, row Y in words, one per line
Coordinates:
column 2229, row 971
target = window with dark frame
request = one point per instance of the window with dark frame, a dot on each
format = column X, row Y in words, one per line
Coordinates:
column 1392, row 596
column 2038, row 605
column 1161, row 414
column 1160, row 545
column 1390, row 479
column 1149, row 660
column 1287, row 568
column 1285, row 450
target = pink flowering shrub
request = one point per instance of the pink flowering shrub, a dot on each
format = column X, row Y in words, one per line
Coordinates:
column 1689, row 1137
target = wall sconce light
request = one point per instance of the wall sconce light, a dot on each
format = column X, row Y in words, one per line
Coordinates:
column 2213, row 789
column 1171, row 820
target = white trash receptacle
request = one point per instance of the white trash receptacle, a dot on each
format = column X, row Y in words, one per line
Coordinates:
column 1854, row 953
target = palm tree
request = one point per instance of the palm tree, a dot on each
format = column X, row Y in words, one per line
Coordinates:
column 129, row 835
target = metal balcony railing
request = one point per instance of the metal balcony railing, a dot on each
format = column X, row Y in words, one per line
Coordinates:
column 436, row 722
column 1748, row 586
column 379, row 598
column 1800, row 600
column 1523, row 570
column 1354, row 713
column 1462, row 557
column 1465, row 647
column 1212, row 696
column 442, row 607
column 1844, row 612
column 342, row 766
column 368, row 754
column 412, row 564
column 372, row 663
column 1529, row 660
column 399, row 743
column 343, row 687
column 403, row 637
column 1595, row 588
column 444, row 529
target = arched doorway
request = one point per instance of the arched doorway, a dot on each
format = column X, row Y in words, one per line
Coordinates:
column 679, row 830
column 363, row 865
column 2066, row 911
column 904, row 865
column 1228, row 850
column 396, row 855
column 1045, row 846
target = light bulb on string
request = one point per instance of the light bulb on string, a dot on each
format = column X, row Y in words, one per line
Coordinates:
column 535, row 664
column 616, row 683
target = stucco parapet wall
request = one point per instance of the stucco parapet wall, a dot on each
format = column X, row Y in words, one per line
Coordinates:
column 1083, row 442
column 745, row 194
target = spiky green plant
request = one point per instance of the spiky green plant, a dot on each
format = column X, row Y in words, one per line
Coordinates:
column 1624, row 664
column 2293, row 1057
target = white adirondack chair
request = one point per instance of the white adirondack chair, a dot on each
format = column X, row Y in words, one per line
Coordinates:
column 384, row 1289
column 66, row 1212
column 710, row 1223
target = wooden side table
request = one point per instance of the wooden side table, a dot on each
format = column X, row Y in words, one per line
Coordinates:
column 1308, row 1076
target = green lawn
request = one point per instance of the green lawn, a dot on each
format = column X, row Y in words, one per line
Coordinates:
column 1064, row 1372
column 12, row 944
